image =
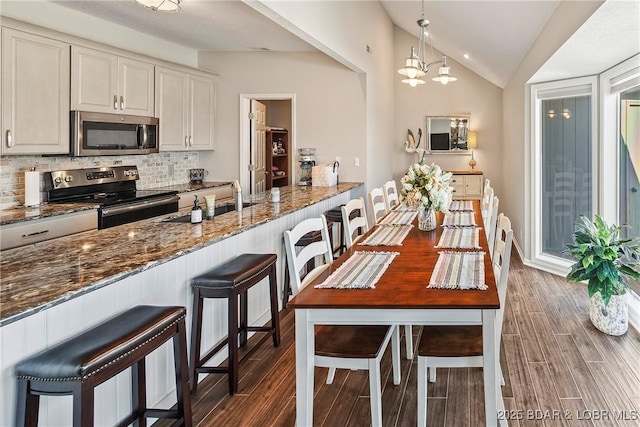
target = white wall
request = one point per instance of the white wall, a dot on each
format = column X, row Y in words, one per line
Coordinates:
column 567, row 18
column 343, row 30
column 330, row 105
column 471, row 94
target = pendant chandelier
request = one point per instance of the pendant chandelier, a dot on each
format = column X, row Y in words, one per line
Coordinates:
column 416, row 66
column 163, row 5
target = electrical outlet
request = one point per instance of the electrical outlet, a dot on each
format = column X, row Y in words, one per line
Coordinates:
column 356, row 161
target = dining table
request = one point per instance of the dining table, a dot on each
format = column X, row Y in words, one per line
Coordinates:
column 400, row 296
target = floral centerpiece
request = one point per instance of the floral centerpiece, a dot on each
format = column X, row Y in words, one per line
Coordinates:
column 426, row 187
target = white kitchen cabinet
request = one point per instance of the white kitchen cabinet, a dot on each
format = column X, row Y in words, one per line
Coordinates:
column 35, row 94
column 39, row 230
column 467, row 185
column 106, row 83
column 185, row 105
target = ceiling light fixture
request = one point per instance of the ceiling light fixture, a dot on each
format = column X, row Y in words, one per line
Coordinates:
column 415, row 66
column 163, row 5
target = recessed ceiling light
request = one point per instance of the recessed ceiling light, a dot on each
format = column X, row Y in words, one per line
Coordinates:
column 466, row 56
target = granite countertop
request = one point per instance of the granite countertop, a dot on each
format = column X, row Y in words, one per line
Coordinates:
column 23, row 213
column 40, row 276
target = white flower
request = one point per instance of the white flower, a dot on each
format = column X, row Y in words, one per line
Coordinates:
column 426, row 185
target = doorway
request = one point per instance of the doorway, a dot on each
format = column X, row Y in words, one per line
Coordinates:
column 279, row 113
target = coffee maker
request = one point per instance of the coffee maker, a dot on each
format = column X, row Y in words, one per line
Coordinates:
column 306, row 159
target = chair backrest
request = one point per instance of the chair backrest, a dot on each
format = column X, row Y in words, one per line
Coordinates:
column 377, row 204
column 356, row 226
column 487, row 184
column 390, row 194
column 485, row 206
column 490, row 229
column 319, row 250
column 501, row 261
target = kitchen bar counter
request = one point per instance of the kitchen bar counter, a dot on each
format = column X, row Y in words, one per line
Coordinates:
column 40, row 276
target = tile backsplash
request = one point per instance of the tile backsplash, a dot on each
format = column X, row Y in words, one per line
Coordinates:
column 155, row 170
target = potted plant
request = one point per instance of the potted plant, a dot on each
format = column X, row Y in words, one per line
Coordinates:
column 603, row 259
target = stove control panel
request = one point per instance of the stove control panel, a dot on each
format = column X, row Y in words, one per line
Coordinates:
column 90, row 176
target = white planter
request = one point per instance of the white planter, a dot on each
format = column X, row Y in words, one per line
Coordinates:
column 612, row 319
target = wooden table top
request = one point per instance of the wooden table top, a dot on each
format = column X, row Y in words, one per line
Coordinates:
column 404, row 284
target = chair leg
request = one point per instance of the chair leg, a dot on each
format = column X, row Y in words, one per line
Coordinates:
column 28, row 405
column 232, row 344
column 242, row 329
column 83, row 402
column 139, row 393
column 395, row 354
column 181, row 373
column 375, row 392
column 331, row 375
column 422, row 392
column 275, row 321
column 196, row 336
column 408, row 336
column 432, row 374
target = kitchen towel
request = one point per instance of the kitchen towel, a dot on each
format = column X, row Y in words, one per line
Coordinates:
column 459, row 270
column 361, row 271
column 32, row 188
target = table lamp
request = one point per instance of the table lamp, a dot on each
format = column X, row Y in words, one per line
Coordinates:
column 472, row 142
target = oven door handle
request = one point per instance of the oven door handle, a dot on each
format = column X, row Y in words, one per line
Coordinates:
column 138, row 205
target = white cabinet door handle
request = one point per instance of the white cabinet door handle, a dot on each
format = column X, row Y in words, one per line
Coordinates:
column 9, row 139
column 115, row 102
column 186, row 140
column 190, row 144
column 122, row 102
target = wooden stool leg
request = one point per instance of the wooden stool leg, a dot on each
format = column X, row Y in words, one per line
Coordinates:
column 139, row 392
column 83, row 403
column 275, row 321
column 182, row 372
column 28, row 405
column 232, row 344
column 196, row 332
column 242, row 329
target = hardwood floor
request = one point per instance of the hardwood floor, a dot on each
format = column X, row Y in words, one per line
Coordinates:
column 559, row 371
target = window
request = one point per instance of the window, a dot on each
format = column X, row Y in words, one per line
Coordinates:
column 563, row 150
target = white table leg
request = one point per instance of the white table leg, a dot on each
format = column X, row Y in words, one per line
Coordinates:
column 305, row 350
column 490, row 368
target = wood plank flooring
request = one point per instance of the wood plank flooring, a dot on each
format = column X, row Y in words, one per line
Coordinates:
column 559, row 371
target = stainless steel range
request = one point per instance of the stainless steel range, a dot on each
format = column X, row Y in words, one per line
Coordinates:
column 113, row 189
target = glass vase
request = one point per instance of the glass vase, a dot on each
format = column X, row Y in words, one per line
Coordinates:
column 426, row 219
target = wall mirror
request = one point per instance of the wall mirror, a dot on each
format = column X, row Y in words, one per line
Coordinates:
column 447, row 134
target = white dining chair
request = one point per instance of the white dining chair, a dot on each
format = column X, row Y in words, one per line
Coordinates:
column 487, row 184
column 460, row 346
column 491, row 226
column 355, row 224
column 377, row 204
column 390, row 194
column 341, row 346
column 485, row 205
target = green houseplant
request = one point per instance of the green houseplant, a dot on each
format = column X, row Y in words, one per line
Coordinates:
column 603, row 258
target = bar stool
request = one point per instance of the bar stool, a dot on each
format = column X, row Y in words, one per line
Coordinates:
column 76, row 366
column 230, row 280
column 304, row 241
column 335, row 215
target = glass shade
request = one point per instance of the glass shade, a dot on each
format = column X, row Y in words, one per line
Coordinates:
column 443, row 76
column 413, row 82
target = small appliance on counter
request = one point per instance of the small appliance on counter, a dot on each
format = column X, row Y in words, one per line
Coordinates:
column 196, row 176
column 307, row 160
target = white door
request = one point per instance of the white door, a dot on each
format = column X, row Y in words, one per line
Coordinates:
column 258, row 172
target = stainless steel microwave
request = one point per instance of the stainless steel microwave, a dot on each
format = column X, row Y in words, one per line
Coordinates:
column 102, row 134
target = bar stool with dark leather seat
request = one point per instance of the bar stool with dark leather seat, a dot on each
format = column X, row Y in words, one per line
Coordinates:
column 335, row 215
column 230, row 280
column 76, row 366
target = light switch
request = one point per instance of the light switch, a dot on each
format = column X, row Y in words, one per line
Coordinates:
column 356, row 161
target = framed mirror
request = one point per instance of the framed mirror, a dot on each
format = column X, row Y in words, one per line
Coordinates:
column 447, row 134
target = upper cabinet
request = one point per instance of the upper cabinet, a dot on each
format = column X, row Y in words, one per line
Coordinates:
column 185, row 105
column 35, row 94
column 106, row 83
